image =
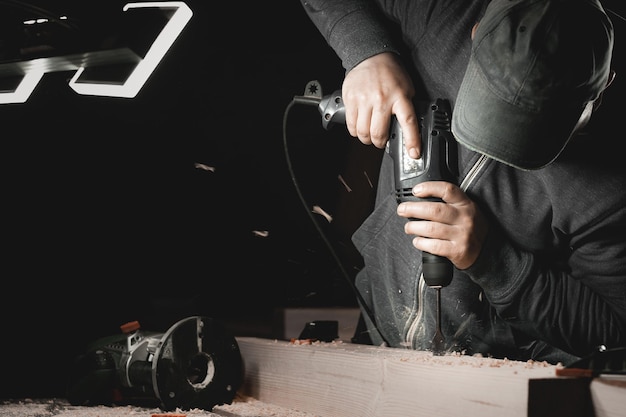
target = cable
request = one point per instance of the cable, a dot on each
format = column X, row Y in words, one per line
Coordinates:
column 314, row 102
column 622, row 18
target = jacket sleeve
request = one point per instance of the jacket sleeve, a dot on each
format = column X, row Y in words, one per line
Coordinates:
column 354, row 29
column 577, row 305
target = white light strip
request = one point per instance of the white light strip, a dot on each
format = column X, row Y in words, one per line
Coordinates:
column 147, row 65
column 24, row 88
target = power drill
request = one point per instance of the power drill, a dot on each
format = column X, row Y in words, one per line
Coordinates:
column 439, row 162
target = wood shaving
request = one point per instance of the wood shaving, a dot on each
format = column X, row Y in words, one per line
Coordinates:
column 449, row 359
column 368, row 179
column 242, row 406
column 345, row 184
column 204, row 167
column 319, row 210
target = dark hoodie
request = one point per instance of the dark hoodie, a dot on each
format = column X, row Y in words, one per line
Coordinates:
column 550, row 282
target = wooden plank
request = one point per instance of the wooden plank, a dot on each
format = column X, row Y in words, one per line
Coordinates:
column 344, row 379
column 608, row 394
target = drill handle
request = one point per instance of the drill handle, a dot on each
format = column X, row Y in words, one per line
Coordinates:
column 332, row 109
column 439, row 162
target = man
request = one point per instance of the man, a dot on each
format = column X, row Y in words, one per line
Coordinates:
column 536, row 230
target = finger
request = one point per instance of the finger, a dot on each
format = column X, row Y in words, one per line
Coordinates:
column 379, row 128
column 427, row 229
column 446, row 191
column 408, row 120
column 351, row 109
column 351, row 117
column 363, row 123
column 429, row 236
column 434, row 211
column 437, row 247
column 444, row 240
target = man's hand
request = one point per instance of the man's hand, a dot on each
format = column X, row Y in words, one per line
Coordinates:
column 455, row 229
column 372, row 92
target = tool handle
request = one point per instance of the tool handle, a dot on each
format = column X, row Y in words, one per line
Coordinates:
column 332, row 109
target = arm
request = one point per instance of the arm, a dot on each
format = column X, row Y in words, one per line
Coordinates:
column 574, row 301
column 377, row 85
column 354, row 29
column 577, row 308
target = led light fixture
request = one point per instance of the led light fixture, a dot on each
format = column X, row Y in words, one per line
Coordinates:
column 29, row 72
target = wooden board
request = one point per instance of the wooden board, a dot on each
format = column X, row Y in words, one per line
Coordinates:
column 344, row 379
column 608, row 395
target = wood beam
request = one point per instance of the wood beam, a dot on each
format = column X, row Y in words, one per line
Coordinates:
column 351, row 380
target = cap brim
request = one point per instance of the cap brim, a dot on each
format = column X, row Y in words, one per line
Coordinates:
column 506, row 131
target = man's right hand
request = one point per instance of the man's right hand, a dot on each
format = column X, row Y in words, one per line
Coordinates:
column 372, row 92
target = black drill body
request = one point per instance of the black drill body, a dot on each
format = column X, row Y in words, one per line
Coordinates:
column 439, row 162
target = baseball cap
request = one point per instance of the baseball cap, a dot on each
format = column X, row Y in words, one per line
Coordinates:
column 534, row 66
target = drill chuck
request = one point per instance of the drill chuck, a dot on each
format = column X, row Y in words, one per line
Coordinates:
column 437, row 270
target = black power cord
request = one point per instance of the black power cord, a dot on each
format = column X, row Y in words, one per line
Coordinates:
column 314, row 101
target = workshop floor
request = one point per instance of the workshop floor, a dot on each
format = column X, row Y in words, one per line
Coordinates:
column 283, row 324
column 241, row 407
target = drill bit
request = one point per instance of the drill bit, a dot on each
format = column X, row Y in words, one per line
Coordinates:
column 438, row 344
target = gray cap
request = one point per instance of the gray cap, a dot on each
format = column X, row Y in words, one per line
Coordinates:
column 534, row 66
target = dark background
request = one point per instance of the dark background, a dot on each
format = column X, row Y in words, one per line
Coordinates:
column 107, row 219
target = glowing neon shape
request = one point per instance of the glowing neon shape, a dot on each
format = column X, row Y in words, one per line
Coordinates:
column 34, row 70
column 148, row 64
column 24, row 89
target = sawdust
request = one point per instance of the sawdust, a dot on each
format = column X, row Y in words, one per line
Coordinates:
column 240, row 407
column 450, row 359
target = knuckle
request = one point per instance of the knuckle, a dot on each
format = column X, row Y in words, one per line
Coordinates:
column 437, row 210
column 430, row 228
column 448, row 189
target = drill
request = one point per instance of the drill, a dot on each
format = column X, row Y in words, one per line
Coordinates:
column 439, row 162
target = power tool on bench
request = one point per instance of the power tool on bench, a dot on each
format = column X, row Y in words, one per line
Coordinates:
column 438, row 162
column 196, row 363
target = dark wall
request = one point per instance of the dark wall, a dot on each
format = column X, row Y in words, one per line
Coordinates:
column 107, row 218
